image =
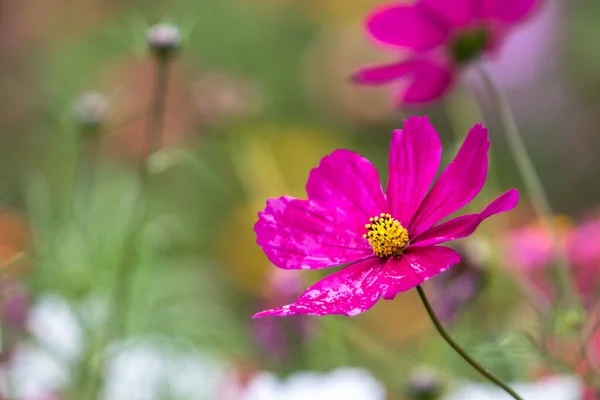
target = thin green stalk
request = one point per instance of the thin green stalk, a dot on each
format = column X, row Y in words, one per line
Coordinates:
column 126, row 271
column 533, row 185
column 121, row 301
column 483, row 371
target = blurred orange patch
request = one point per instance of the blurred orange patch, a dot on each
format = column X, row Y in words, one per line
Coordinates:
column 15, row 239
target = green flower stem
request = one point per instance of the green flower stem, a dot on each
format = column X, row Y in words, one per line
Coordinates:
column 122, row 294
column 460, row 350
column 533, row 185
column 126, row 271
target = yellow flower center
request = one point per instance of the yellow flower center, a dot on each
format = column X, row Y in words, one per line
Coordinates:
column 386, row 236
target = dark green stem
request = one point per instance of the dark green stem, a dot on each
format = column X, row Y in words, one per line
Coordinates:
column 483, row 371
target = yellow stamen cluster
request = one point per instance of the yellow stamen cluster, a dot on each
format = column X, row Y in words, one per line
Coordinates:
column 386, row 236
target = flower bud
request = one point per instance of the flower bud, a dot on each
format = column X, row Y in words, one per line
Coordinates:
column 90, row 109
column 163, row 39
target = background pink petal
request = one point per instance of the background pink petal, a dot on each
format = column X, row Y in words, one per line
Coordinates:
column 465, row 225
column 429, row 81
column 406, row 26
column 460, row 182
column 350, row 291
column 382, row 74
column 507, row 11
column 415, row 155
column 346, row 180
column 309, row 235
column 414, row 267
column 454, row 13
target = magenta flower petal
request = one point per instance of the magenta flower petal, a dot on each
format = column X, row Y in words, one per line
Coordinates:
column 348, row 181
column 507, row 11
column 465, row 225
column 460, row 182
column 415, row 155
column 406, row 26
column 309, row 235
column 350, row 291
column 414, row 267
column 381, row 74
column 455, row 13
column 429, row 81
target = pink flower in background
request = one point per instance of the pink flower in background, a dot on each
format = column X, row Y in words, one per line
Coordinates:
column 442, row 36
column 389, row 241
column 530, row 253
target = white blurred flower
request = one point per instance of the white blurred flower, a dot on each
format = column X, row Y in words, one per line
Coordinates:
column 141, row 369
column 54, row 324
column 556, row 388
column 43, row 366
column 340, row 384
column 145, row 370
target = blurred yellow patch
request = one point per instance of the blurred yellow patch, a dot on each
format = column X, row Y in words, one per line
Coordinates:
column 271, row 162
column 328, row 11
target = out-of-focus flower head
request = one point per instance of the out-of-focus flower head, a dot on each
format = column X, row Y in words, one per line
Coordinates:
column 388, row 242
column 441, row 38
column 424, row 383
column 163, row 39
column 90, row 109
column 453, row 291
column 219, row 98
column 529, row 251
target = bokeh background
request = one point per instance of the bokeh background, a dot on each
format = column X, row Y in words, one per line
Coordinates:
column 257, row 95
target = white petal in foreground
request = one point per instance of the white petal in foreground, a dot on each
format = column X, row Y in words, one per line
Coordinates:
column 340, row 384
column 556, row 388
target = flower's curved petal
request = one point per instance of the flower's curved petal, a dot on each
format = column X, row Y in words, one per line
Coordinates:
column 465, row 225
column 415, row 155
column 460, row 182
column 308, row 234
column 414, row 267
column 350, row 182
column 381, row 74
column 453, row 13
column 507, row 11
column 429, row 81
column 406, row 26
column 350, row 291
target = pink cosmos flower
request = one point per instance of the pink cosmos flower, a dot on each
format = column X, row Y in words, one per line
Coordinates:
column 388, row 240
column 442, row 36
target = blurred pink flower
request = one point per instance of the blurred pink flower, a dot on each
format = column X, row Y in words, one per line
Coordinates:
column 530, row 253
column 442, row 36
column 388, row 241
